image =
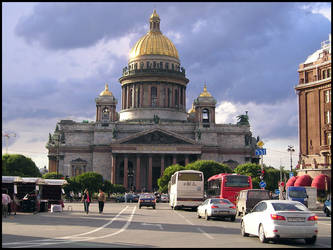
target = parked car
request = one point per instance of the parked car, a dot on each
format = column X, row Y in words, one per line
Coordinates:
column 278, row 219
column 247, row 199
column 215, row 207
column 327, row 207
column 135, row 198
column 120, row 198
column 164, row 198
column 147, row 200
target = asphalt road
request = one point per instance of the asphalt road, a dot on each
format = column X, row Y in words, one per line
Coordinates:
column 125, row 225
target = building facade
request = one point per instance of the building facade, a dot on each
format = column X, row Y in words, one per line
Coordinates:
column 315, row 112
column 152, row 130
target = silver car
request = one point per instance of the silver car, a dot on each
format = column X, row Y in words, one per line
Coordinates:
column 275, row 219
column 215, row 207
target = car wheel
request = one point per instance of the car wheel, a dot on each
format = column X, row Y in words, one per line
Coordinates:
column 261, row 234
column 198, row 215
column 232, row 218
column 310, row 240
column 139, row 207
column 243, row 230
column 154, row 207
column 206, row 216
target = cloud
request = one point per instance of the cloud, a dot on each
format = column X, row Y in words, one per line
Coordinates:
column 319, row 8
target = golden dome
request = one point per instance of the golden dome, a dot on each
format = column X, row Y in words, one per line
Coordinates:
column 106, row 91
column 192, row 110
column 154, row 42
column 205, row 93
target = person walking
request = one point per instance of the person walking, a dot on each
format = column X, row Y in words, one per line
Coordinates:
column 5, row 203
column 86, row 200
column 101, row 200
column 16, row 203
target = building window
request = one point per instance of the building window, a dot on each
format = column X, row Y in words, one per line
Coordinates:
column 328, row 117
column 328, row 138
column 205, row 115
column 328, row 73
column 161, row 65
column 167, row 65
column 176, row 97
column 106, row 113
column 324, row 74
column 148, row 65
column 169, row 97
column 153, row 96
column 327, row 96
column 154, row 65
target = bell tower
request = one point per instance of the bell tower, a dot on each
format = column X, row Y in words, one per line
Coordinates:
column 106, row 106
column 204, row 107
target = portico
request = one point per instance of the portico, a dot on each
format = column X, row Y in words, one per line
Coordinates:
column 137, row 164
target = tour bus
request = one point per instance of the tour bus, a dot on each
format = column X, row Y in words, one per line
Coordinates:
column 186, row 189
column 228, row 186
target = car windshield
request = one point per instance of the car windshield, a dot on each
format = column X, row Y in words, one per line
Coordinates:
column 220, row 201
column 146, row 196
column 297, row 193
column 258, row 195
column 289, row 207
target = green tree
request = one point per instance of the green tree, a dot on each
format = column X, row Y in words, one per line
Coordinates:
column 209, row 168
column 272, row 178
column 19, row 165
column 163, row 181
column 118, row 188
column 250, row 169
column 72, row 185
column 90, row 180
column 53, row 175
column 107, row 187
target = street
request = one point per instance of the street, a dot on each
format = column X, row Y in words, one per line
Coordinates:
column 125, row 225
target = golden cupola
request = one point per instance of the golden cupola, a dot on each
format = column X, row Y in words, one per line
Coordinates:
column 154, row 42
column 106, row 91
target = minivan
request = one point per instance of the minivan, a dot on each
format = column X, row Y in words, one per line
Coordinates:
column 247, row 199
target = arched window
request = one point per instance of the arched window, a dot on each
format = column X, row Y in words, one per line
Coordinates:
column 106, row 112
column 205, row 115
column 153, row 96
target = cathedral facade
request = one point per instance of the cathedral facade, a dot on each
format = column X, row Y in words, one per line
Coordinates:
column 152, row 130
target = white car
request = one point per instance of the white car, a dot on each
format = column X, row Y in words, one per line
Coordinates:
column 275, row 219
column 164, row 198
column 216, row 207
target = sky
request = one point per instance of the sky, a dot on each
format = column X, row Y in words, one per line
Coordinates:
column 57, row 58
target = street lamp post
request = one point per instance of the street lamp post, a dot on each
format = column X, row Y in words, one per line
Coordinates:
column 291, row 150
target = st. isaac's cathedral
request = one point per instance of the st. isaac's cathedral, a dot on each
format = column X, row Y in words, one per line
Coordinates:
column 153, row 130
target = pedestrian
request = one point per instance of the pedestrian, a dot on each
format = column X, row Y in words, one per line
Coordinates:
column 80, row 195
column 101, row 200
column 16, row 203
column 5, row 202
column 125, row 197
column 86, row 200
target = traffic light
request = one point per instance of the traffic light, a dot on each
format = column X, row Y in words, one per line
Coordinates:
column 262, row 174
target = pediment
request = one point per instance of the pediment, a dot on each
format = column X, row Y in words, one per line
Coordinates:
column 157, row 136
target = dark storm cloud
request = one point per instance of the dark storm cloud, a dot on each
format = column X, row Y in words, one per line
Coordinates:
column 243, row 51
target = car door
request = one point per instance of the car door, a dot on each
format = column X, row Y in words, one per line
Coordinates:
column 201, row 208
column 254, row 218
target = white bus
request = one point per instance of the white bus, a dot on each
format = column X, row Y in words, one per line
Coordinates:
column 186, row 189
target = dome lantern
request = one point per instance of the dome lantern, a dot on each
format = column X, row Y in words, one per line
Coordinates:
column 154, row 22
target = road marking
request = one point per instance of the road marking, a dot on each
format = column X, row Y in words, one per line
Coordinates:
column 75, row 238
column 152, row 224
column 199, row 229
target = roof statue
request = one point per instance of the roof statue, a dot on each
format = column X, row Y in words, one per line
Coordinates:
column 243, row 119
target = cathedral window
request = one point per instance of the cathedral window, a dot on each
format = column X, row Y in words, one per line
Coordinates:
column 141, row 65
column 153, row 96
column 135, row 66
column 167, row 65
column 106, row 113
column 154, row 65
column 324, row 74
column 148, row 65
column 176, row 97
column 205, row 115
column 161, row 65
column 328, row 73
column 173, row 67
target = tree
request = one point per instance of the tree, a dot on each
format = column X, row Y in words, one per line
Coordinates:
column 165, row 178
column 19, row 165
column 209, row 168
column 72, row 185
column 250, row 169
column 90, row 180
column 53, row 175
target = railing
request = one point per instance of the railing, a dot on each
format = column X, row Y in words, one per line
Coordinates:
column 154, row 71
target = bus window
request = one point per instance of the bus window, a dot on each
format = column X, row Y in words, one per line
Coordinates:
column 237, row 181
column 189, row 177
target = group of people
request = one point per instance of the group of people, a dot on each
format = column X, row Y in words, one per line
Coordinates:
column 86, row 199
column 9, row 205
